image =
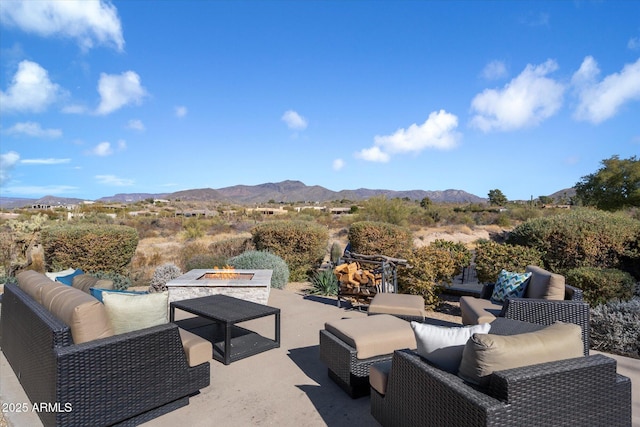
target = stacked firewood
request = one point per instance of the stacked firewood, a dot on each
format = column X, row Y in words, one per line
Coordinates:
column 354, row 279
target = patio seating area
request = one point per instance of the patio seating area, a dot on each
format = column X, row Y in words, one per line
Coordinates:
column 286, row 386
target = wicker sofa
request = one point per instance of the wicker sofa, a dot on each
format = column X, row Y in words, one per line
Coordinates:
column 123, row 379
column 536, row 306
column 573, row 392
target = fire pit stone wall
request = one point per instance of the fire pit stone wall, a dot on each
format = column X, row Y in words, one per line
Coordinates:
column 250, row 285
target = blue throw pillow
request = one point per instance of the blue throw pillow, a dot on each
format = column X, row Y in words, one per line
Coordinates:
column 68, row 279
column 97, row 292
column 509, row 285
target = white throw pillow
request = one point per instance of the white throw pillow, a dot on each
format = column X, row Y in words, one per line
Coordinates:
column 443, row 346
column 129, row 312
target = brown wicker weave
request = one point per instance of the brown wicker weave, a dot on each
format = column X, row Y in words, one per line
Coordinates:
column 126, row 379
column 576, row 392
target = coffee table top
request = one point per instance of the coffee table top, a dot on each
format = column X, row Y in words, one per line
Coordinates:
column 224, row 308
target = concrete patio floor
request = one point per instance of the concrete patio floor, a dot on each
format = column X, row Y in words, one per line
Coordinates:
column 287, row 386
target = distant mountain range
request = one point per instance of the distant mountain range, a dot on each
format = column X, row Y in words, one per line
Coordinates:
column 285, row 191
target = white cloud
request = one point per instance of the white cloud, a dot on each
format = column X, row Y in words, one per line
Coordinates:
column 7, row 162
column 373, row 154
column 438, row 131
column 294, row 120
column 30, row 90
column 494, row 70
column 44, row 161
column 634, row 43
column 116, row 91
column 114, row 180
column 74, row 109
column 89, row 22
column 122, row 145
column 181, row 111
column 33, row 129
column 338, row 164
column 103, row 149
column 601, row 100
column 525, row 101
column 136, row 124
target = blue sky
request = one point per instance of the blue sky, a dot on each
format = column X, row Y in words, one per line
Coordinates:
column 100, row 97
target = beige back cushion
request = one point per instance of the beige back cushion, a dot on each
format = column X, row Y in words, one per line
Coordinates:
column 86, row 281
column 85, row 315
column 485, row 353
column 544, row 284
column 32, row 283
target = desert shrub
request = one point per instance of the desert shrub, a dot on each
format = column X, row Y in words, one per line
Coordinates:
column 580, row 238
column 262, row 260
column 119, row 281
column 614, row 328
column 191, row 250
column 430, row 267
column 324, row 282
column 492, row 257
column 204, row 261
column 230, row 247
column 89, row 247
column 193, row 228
column 302, row 245
column 373, row 238
column 381, row 209
column 164, row 274
column 601, row 285
column 335, row 253
column 459, row 253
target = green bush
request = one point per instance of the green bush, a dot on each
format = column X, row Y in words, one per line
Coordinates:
column 380, row 238
column 89, row 247
column 457, row 251
column 601, row 285
column 492, row 257
column 381, row 209
column 262, row 260
column 614, row 328
column 324, row 282
column 581, row 238
column 431, row 266
column 302, row 245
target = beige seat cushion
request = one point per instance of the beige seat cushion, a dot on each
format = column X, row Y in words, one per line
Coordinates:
column 544, row 284
column 378, row 376
column 477, row 310
column 373, row 335
column 197, row 349
column 399, row 304
column 32, row 283
column 86, row 281
column 85, row 315
column 486, row 353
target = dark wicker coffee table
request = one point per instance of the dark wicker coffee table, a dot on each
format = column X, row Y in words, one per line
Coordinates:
column 222, row 313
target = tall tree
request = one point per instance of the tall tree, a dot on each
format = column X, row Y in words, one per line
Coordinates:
column 496, row 197
column 614, row 186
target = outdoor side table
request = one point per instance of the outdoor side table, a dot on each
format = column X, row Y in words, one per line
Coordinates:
column 230, row 342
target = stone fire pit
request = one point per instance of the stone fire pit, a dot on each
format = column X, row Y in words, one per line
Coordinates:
column 250, row 285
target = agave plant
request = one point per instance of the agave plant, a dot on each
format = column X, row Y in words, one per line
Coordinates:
column 324, row 282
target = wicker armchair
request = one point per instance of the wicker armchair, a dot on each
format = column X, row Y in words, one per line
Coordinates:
column 573, row 392
column 532, row 310
column 124, row 379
